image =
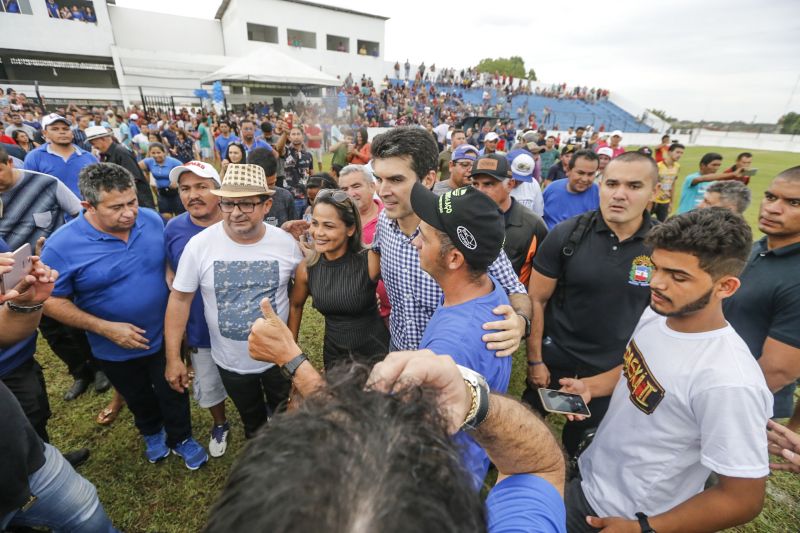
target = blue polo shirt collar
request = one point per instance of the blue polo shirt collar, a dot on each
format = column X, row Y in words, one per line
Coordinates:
column 96, row 235
column 77, row 152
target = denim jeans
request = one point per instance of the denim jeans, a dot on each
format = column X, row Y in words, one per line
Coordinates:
column 784, row 402
column 66, row 502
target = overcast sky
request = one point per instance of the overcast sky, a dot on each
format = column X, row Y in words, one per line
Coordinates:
column 698, row 60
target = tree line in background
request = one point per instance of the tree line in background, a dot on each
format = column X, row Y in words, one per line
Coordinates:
column 506, row 66
column 787, row 124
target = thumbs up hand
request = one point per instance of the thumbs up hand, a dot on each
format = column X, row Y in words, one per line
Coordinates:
column 270, row 339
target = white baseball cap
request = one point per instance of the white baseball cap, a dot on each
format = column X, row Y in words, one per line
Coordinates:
column 491, row 136
column 606, row 151
column 201, row 168
column 134, row 116
column 52, row 118
column 616, row 133
column 522, row 166
column 96, row 132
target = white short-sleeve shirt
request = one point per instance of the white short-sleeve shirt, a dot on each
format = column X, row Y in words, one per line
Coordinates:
column 233, row 279
column 686, row 404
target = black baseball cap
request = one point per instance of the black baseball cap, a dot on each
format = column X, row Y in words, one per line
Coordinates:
column 492, row 165
column 471, row 219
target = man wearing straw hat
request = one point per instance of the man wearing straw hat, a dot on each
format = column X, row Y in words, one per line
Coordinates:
column 235, row 263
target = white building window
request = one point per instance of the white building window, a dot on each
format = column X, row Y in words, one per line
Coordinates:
column 369, row 48
column 337, row 43
column 301, row 39
column 264, row 34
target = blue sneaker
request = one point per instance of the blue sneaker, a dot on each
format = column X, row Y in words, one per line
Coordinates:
column 156, row 446
column 193, row 454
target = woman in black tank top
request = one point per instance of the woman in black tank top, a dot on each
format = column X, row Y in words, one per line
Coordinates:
column 341, row 278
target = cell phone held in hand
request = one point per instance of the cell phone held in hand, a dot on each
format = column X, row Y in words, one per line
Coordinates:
column 750, row 172
column 22, row 267
column 564, row 403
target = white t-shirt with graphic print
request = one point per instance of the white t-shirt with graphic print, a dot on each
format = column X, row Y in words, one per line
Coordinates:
column 686, row 404
column 233, row 278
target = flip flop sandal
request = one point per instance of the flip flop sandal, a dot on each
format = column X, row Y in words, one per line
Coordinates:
column 107, row 416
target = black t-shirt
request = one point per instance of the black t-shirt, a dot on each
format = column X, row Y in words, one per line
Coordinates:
column 591, row 316
column 525, row 232
column 768, row 302
column 556, row 172
column 282, row 209
column 21, row 450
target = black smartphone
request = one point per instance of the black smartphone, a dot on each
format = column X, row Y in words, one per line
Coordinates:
column 564, row 403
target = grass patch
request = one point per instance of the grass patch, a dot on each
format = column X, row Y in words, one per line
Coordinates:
column 166, row 497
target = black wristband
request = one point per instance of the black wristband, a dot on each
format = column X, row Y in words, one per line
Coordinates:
column 644, row 524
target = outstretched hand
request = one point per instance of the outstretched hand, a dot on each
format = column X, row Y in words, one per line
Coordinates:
column 784, row 443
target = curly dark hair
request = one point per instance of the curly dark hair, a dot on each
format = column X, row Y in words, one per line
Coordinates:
column 103, row 177
column 350, row 459
column 409, row 142
column 718, row 237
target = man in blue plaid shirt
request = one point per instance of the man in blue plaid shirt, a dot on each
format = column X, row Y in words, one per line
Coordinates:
column 401, row 157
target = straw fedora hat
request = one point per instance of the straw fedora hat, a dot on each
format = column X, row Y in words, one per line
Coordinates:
column 243, row 180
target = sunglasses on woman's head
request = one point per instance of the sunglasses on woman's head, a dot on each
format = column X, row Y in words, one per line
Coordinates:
column 338, row 195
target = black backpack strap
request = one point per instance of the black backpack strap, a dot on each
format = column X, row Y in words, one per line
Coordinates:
column 585, row 221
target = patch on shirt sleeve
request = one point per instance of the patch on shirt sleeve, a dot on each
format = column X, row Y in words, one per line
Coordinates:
column 239, row 287
column 645, row 390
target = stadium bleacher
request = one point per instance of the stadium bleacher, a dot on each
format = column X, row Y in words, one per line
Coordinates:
column 564, row 112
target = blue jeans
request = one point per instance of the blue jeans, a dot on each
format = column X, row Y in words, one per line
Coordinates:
column 66, row 502
column 784, row 402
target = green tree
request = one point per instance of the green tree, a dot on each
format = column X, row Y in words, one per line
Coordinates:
column 511, row 66
column 660, row 113
column 790, row 123
column 532, row 75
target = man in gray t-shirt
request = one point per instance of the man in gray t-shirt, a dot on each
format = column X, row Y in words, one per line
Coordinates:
column 460, row 169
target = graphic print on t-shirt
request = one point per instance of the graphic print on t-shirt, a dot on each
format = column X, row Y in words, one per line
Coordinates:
column 239, row 287
column 646, row 391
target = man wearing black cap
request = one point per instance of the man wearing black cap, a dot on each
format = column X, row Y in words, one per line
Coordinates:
column 461, row 233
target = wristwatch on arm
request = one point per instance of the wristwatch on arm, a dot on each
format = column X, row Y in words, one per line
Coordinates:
column 289, row 369
column 479, row 393
column 527, row 326
column 644, row 524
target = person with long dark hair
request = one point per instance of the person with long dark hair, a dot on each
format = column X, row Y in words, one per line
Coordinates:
column 360, row 152
column 234, row 154
column 341, row 277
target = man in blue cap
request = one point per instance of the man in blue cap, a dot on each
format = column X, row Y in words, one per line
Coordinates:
column 524, row 230
column 460, row 167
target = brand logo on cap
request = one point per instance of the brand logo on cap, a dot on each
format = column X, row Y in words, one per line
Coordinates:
column 487, row 164
column 466, row 237
column 523, row 167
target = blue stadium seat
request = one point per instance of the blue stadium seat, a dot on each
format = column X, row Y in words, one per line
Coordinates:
column 565, row 113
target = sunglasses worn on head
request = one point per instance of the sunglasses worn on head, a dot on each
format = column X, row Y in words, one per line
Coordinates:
column 338, row 196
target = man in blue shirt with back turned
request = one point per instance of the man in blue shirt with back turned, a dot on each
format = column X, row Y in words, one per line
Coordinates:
column 111, row 262
column 460, row 235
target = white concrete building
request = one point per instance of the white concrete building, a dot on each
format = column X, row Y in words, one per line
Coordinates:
column 128, row 53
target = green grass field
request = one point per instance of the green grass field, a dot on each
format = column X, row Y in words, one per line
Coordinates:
column 166, row 497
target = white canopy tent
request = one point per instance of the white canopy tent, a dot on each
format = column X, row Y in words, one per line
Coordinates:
column 268, row 65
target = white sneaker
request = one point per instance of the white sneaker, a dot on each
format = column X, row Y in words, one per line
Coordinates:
column 219, row 440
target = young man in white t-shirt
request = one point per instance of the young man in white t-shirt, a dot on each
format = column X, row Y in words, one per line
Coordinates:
column 235, row 263
column 691, row 398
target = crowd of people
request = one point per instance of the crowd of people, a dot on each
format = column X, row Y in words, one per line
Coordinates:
column 182, row 262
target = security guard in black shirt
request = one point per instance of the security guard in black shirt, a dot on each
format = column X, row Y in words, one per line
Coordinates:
column 765, row 311
column 590, row 285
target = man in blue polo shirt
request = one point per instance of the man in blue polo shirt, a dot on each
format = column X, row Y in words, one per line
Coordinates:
column 224, row 138
column 111, row 262
column 196, row 180
column 59, row 157
column 577, row 194
column 249, row 140
column 460, row 235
